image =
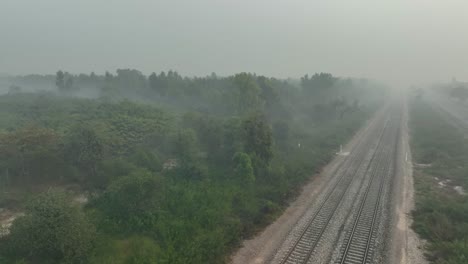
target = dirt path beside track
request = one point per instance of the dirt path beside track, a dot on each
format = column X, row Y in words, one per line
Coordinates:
column 406, row 247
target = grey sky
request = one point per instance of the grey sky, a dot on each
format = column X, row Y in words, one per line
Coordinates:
column 401, row 41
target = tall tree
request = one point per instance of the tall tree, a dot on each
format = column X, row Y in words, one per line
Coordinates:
column 163, row 83
column 318, row 83
column 69, row 83
column 130, row 79
column 60, row 80
column 249, row 93
column 243, row 169
column 258, row 139
column 184, row 145
column 84, row 149
column 158, row 84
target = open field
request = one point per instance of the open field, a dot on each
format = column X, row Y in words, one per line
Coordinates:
column 440, row 150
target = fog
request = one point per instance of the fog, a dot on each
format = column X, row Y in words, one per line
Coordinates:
column 171, row 131
column 398, row 41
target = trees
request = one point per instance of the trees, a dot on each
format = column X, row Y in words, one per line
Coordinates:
column 249, row 93
column 209, row 131
column 170, row 84
column 163, row 83
column 233, row 138
column 131, row 200
column 84, row 149
column 281, row 132
column 268, row 93
column 243, row 169
column 130, row 80
column 232, row 171
column 30, row 154
column 184, row 145
column 52, row 231
column 60, row 80
column 153, row 82
column 317, row 84
column 69, row 84
column 63, row 81
column 258, row 140
column 107, row 88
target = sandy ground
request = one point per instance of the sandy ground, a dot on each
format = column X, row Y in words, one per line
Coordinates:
column 6, row 220
column 406, row 247
column 263, row 247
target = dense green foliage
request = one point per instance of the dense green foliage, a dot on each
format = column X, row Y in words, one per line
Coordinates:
column 51, row 231
column 185, row 177
column 441, row 214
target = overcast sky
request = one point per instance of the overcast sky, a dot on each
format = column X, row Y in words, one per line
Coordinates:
column 403, row 41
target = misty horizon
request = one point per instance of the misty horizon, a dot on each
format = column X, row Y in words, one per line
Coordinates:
column 399, row 42
column 211, row 131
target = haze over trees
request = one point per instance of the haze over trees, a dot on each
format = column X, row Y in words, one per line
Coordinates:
column 135, row 132
column 176, row 169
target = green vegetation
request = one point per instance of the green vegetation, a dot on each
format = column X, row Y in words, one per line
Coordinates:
column 441, row 214
column 52, row 230
column 183, row 178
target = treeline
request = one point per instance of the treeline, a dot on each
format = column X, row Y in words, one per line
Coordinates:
column 172, row 181
column 214, row 94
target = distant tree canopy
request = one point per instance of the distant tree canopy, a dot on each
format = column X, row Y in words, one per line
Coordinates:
column 248, row 93
column 258, row 139
column 239, row 94
column 60, row 80
column 129, row 79
column 64, row 81
column 318, row 82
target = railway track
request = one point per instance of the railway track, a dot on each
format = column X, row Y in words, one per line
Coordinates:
column 358, row 246
column 304, row 245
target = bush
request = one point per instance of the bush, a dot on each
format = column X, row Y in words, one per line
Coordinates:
column 52, row 231
column 130, row 200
